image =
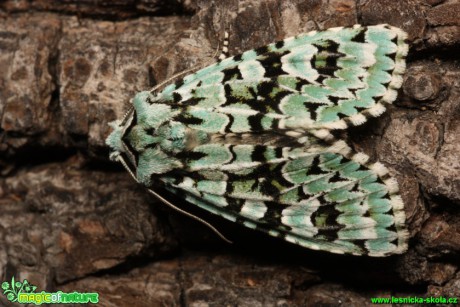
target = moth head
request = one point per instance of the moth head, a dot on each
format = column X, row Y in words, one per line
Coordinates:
column 144, row 140
column 119, row 149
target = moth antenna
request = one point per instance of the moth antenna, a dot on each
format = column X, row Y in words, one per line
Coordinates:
column 169, row 204
column 174, row 77
column 158, row 196
column 224, row 54
column 127, row 113
column 125, row 165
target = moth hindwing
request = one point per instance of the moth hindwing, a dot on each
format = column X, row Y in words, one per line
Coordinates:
column 248, row 138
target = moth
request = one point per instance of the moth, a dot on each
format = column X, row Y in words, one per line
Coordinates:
column 251, row 139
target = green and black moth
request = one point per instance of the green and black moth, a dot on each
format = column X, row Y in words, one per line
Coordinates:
column 250, row 138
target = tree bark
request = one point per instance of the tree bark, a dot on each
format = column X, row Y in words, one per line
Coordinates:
column 71, row 220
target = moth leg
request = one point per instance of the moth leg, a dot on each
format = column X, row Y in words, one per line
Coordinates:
column 224, row 51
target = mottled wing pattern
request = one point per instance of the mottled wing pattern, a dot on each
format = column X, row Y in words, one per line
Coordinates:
column 329, row 79
column 325, row 198
column 248, row 138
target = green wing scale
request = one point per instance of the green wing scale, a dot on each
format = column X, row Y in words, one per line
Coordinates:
column 249, row 139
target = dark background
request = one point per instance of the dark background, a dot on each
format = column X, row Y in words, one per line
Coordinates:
column 71, row 220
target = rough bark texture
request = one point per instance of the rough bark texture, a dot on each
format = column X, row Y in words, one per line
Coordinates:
column 71, row 220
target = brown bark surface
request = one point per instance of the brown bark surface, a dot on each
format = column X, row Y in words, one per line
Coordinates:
column 71, row 220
